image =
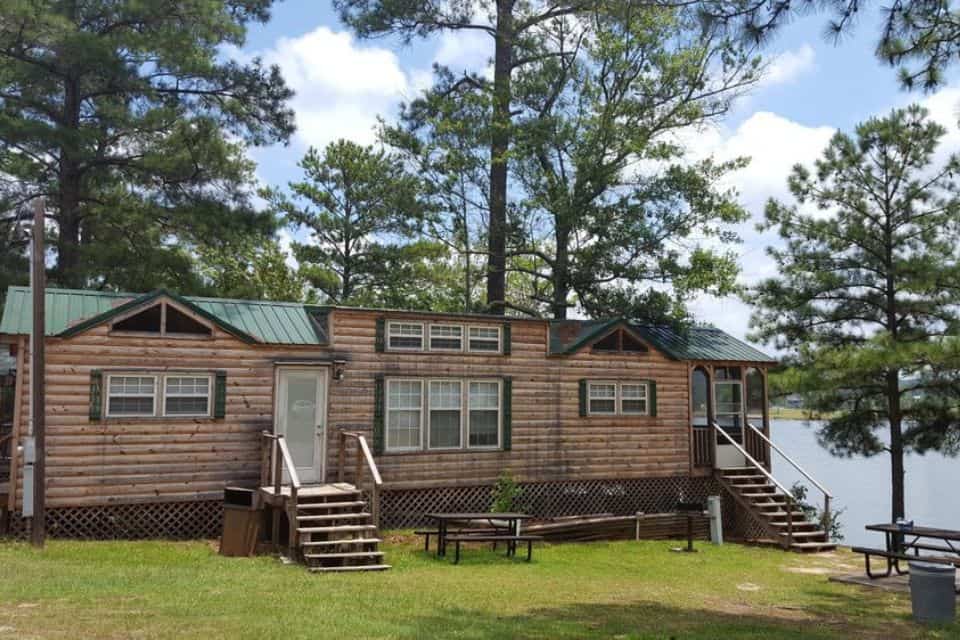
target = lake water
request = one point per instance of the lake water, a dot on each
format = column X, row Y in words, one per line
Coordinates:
column 861, row 486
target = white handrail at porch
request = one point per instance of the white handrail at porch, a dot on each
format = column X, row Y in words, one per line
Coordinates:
column 827, row 496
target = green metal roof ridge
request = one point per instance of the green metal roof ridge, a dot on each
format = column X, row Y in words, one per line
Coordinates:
column 146, row 298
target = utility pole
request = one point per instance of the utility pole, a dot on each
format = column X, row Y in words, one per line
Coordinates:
column 38, row 266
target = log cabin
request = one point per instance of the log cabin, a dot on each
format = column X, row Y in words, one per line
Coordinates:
column 156, row 403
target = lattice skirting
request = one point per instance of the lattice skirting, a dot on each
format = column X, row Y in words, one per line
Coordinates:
column 172, row 520
column 405, row 508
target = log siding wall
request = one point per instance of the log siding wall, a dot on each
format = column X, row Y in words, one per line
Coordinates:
column 122, row 460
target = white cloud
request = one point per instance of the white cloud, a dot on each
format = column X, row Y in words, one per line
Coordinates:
column 789, row 65
column 340, row 86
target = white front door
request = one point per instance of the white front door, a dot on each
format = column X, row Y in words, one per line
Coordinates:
column 301, row 416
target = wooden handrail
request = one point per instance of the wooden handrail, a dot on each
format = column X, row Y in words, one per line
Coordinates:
column 790, row 500
column 282, row 459
column 827, row 496
column 364, row 458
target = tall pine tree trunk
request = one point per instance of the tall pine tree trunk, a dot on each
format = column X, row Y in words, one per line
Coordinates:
column 499, row 146
column 67, row 270
column 561, row 271
column 897, row 502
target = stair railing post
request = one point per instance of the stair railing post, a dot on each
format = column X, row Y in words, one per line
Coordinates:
column 277, row 469
column 375, row 505
column 358, row 477
column 789, row 522
column 826, row 515
column 341, row 455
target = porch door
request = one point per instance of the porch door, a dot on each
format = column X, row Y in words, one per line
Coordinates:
column 301, row 419
column 729, row 417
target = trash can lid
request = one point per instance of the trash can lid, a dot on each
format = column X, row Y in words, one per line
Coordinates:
column 931, row 567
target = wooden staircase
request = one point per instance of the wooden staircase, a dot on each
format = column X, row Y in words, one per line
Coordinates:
column 783, row 521
column 335, row 531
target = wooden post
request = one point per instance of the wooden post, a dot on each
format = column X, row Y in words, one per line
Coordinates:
column 341, row 455
column 38, row 282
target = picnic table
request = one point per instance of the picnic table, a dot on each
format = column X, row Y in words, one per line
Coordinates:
column 902, row 541
column 505, row 527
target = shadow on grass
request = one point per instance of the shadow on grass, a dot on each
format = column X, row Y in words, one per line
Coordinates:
column 652, row 620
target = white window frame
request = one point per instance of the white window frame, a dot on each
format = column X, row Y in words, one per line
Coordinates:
column 499, row 331
column 396, row 323
column 616, row 397
column 430, row 329
column 386, row 415
column 463, row 418
column 208, row 396
column 466, row 437
column 132, row 374
column 646, row 398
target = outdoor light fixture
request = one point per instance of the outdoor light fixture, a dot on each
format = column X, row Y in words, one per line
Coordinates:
column 338, row 367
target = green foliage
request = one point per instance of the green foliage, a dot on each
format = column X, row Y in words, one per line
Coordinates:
column 127, row 118
column 363, row 210
column 252, row 271
column 829, row 522
column 505, row 494
column 868, row 292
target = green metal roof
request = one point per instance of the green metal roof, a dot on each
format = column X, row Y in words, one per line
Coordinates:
column 69, row 311
column 688, row 343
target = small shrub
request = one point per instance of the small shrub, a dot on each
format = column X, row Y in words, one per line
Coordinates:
column 830, row 522
column 505, row 493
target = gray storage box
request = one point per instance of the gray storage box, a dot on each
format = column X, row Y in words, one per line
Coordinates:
column 933, row 591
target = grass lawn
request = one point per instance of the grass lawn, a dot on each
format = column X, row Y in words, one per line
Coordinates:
column 605, row 590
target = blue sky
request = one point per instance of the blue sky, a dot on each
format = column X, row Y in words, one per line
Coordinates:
column 814, row 87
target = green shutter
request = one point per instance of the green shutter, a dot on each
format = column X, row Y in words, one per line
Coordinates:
column 96, row 395
column 220, row 395
column 381, row 340
column 506, row 339
column 652, row 389
column 378, row 426
column 507, row 413
column 583, row 398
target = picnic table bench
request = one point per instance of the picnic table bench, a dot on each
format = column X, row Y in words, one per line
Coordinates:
column 509, row 539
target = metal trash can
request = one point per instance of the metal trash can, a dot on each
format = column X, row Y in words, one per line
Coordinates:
column 241, row 522
column 933, row 591
column 716, row 519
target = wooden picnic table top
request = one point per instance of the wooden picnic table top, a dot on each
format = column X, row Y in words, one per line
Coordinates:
column 923, row 532
column 478, row 516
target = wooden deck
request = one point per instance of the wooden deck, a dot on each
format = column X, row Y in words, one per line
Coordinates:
column 332, row 490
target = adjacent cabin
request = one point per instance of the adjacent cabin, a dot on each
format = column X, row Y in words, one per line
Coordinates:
column 156, row 403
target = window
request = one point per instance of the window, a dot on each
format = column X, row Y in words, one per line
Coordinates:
column 404, row 414
column 484, row 339
column 755, row 392
column 163, row 319
column 484, row 405
column 445, row 402
column 180, row 323
column 700, row 390
column 405, row 335
column 149, row 320
column 131, row 395
column 186, row 396
column 602, row 398
column 446, row 337
column 618, row 341
column 633, row 399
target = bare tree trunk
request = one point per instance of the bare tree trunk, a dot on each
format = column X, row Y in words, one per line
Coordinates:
column 499, row 146
column 67, row 270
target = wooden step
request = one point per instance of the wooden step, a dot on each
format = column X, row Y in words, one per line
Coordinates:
column 351, row 554
column 361, row 515
column 752, row 487
column 340, row 528
column 346, row 541
column 768, row 496
column 805, row 534
column 331, row 505
column 797, row 524
column 813, row 547
column 353, row 567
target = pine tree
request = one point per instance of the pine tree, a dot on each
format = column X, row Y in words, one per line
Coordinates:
column 868, row 292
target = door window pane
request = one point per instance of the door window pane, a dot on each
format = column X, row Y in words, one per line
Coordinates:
column 445, row 404
column 301, row 418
